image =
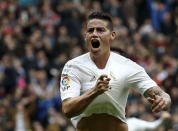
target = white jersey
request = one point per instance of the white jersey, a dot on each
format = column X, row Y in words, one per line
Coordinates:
column 135, row 124
column 80, row 74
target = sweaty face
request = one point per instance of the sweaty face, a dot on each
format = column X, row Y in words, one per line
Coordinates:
column 98, row 36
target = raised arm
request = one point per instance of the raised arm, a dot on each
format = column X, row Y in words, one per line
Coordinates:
column 74, row 106
column 159, row 99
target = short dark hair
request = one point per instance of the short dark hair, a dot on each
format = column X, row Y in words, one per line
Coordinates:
column 102, row 16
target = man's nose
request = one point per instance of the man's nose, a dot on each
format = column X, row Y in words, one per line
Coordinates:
column 95, row 33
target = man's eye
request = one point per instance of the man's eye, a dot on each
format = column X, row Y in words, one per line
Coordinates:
column 90, row 30
column 100, row 29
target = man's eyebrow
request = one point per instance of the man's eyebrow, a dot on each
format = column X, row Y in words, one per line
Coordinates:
column 90, row 28
column 96, row 27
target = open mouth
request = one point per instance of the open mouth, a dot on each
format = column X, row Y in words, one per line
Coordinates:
column 95, row 43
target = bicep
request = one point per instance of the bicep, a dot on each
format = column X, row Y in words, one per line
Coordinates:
column 69, row 87
column 69, row 83
column 141, row 81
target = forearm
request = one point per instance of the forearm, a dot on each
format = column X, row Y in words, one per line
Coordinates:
column 74, row 106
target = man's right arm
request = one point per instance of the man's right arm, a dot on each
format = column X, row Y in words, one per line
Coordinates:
column 74, row 106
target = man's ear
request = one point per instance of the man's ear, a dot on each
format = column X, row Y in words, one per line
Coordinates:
column 84, row 31
column 113, row 35
column 84, row 35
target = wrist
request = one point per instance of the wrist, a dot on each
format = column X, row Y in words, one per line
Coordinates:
column 168, row 104
column 94, row 92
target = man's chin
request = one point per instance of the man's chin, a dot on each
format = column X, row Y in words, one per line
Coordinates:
column 95, row 50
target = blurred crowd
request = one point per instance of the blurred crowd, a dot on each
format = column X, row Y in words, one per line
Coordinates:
column 37, row 37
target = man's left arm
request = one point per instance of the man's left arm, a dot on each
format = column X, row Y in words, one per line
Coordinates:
column 159, row 99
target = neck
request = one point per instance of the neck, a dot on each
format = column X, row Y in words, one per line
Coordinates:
column 100, row 60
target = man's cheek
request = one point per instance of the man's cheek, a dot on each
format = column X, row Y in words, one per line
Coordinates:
column 88, row 45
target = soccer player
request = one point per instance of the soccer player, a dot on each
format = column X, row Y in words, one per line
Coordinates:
column 94, row 86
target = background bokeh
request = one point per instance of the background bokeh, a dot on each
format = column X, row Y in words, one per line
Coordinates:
column 38, row 36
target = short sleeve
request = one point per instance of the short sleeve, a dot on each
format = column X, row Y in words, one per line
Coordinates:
column 139, row 79
column 69, row 83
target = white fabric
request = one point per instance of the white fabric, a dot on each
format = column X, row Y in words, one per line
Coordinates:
column 135, row 124
column 80, row 74
column 20, row 122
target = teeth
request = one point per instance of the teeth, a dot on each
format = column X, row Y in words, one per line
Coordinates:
column 95, row 43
